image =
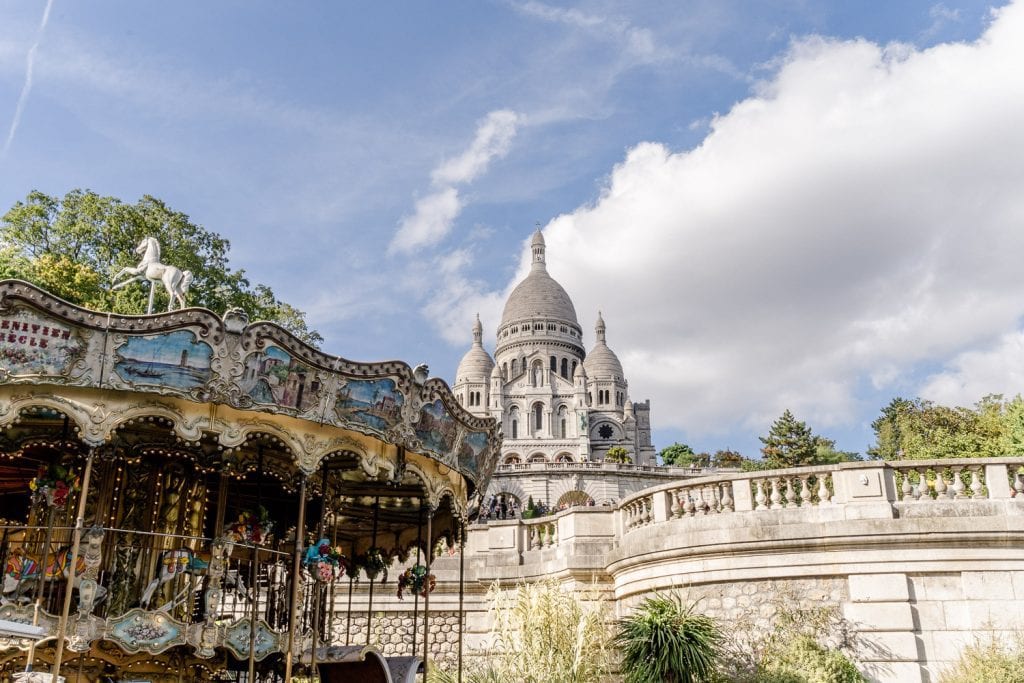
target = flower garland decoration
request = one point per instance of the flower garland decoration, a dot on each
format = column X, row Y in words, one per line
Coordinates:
column 373, row 564
column 251, row 527
column 416, row 578
column 325, row 561
column 53, row 484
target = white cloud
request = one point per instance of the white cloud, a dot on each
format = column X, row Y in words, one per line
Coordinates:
column 973, row 374
column 636, row 41
column 860, row 214
column 26, row 87
column 435, row 214
column 493, row 139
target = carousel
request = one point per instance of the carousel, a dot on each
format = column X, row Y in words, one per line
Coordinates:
column 185, row 497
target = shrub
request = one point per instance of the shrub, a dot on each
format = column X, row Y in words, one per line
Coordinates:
column 988, row 661
column 663, row 640
column 804, row 660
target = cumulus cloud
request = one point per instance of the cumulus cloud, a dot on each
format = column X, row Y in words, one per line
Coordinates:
column 857, row 218
column 435, row 213
column 998, row 369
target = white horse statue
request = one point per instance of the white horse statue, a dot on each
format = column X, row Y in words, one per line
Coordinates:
column 176, row 281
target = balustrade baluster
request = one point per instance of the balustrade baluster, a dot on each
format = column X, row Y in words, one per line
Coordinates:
column 647, row 511
column 805, row 490
column 823, row 493
column 554, row 533
column 958, row 483
column 921, row 491
column 776, row 496
column 534, row 539
column 716, row 500
column 940, row 484
column 1018, row 484
column 907, row 490
column 728, row 504
column 677, row 507
column 790, row 493
column 688, row 506
column 759, row 496
column 698, row 501
column 976, row 487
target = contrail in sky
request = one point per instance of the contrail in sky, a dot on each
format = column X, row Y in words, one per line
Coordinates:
column 25, row 89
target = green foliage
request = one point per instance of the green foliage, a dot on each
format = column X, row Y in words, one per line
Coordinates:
column 825, row 452
column 727, row 458
column 664, row 640
column 804, row 660
column 73, row 246
column 789, row 443
column 678, row 454
column 617, row 454
column 531, row 509
column 989, row 661
column 921, row 430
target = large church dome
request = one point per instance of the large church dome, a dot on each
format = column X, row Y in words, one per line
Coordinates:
column 539, row 295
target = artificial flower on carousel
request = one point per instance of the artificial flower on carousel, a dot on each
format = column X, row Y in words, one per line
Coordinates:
column 417, row 579
column 251, row 527
column 53, row 484
column 324, row 561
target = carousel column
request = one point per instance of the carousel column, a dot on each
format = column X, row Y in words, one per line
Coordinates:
column 37, row 605
column 75, row 546
column 426, row 595
column 317, row 593
column 373, row 548
column 462, row 587
column 254, row 571
column 416, row 594
column 293, row 619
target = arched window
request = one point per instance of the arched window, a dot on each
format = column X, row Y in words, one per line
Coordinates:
column 538, row 416
column 504, row 371
column 515, row 429
column 574, row 368
column 565, row 368
column 563, row 420
column 554, row 364
column 515, row 367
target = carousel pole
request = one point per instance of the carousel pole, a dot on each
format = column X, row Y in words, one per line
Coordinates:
column 462, row 587
column 296, row 568
column 39, row 587
column 373, row 545
column 416, row 594
column 75, row 546
column 316, row 585
column 426, row 595
column 348, row 612
column 254, row 571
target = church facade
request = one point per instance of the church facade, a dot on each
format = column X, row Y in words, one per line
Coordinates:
column 561, row 408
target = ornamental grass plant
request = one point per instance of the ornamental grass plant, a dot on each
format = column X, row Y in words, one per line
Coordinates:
column 988, row 660
column 664, row 640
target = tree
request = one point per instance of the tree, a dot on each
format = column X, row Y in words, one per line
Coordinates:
column 678, row 454
column 922, row 430
column 825, row 452
column 617, row 454
column 73, row 246
column 727, row 458
column 789, row 443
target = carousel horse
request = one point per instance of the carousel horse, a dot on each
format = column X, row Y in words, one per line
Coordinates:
column 23, row 570
column 175, row 281
column 173, row 563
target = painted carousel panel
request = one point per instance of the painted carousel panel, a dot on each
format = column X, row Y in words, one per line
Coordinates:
column 473, row 454
column 32, row 344
column 374, row 404
column 141, row 631
column 273, row 377
column 436, row 430
column 175, row 359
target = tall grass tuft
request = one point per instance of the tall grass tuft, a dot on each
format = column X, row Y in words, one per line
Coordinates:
column 990, row 661
column 663, row 640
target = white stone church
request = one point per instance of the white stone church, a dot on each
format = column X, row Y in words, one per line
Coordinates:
column 560, row 407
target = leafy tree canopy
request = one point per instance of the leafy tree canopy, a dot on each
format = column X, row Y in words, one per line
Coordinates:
column 727, row 458
column 789, row 443
column 922, row 430
column 678, row 454
column 617, row 454
column 72, row 247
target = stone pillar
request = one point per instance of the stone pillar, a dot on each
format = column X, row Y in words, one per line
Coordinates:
column 880, row 614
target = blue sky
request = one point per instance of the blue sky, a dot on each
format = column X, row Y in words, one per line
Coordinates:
column 812, row 205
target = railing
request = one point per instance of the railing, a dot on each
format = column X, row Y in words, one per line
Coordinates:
column 540, row 534
column 149, row 592
column 897, row 482
column 592, row 466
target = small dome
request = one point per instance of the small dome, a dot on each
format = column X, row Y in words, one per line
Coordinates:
column 539, row 295
column 601, row 362
column 477, row 364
